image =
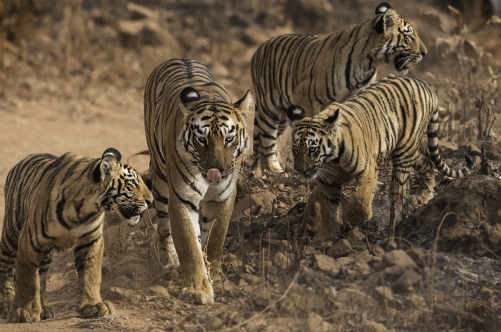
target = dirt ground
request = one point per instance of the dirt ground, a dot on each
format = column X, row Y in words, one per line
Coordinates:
column 72, row 78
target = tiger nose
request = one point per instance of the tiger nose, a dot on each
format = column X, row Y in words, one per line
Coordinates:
column 423, row 51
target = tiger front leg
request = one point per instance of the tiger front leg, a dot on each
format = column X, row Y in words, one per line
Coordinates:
column 26, row 306
column 215, row 220
column 47, row 312
column 360, row 203
column 88, row 263
column 186, row 235
column 329, row 197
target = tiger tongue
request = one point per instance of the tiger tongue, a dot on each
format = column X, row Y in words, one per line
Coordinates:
column 214, row 175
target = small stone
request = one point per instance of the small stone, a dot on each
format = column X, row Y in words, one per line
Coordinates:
column 340, row 249
column 486, row 291
column 383, row 293
column 371, row 326
column 377, row 250
column 398, row 258
column 242, row 283
column 363, row 267
column 250, row 278
column 473, row 150
column 281, row 261
column 317, row 324
column 416, row 255
column 355, row 298
column 160, row 291
column 407, row 280
column 118, row 294
column 438, row 296
column 346, row 260
column 213, row 323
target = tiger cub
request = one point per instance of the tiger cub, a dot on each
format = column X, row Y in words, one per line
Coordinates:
column 347, row 140
column 196, row 137
column 313, row 71
column 59, row 203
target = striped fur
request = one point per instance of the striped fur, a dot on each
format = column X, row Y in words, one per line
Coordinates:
column 314, row 71
column 196, row 137
column 346, row 141
column 59, row 203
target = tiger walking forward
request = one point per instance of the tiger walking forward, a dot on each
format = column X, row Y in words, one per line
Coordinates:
column 346, row 141
column 196, row 137
column 59, row 203
column 313, row 71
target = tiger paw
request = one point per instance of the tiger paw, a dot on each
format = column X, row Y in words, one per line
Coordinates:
column 271, row 164
column 105, row 308
column 24, row 315
column 217, row 274
column 5, row 301
column 198, row 293
column 47, row 312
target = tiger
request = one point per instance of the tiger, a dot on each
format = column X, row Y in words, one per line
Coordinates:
column 197, row 139
column 314, row 71
column 346, row 141
column 56, row 203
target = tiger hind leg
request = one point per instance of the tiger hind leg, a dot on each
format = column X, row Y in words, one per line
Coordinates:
column 163, row 245
column 270, row 124
column 7, row 285
column 26, row 306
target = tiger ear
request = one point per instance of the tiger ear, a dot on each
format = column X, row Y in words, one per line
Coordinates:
column 333, row 121
column 188, row 96
column 388, row 18
column 109, row 160
column 295, row 113
column 243, row 104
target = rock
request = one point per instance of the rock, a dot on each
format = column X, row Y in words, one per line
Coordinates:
column 486, row 291
column 317, row 324
column 371, row 326
column 362, row 267
column 118, row 294
column 355, row 298
column 213, row 323
column 160, row 291
column 392, row 273
column 467, row 210
column 281, row 261
column 473, row 150
column 260, row 203
column 250, row 278
column 138, row 12
column 383, row 293
column 398, row 258
column 327, row 264
column 493, row 151
column 417, row 256
column 340, row 249
column 407, row 280
column 377, row 250
column 242, row 283
column 131, row 271
column 346, row 260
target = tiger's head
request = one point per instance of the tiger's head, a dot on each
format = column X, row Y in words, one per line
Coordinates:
column 214, row 133
column 395, row 40
column 314, row 142
column 123, row 187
